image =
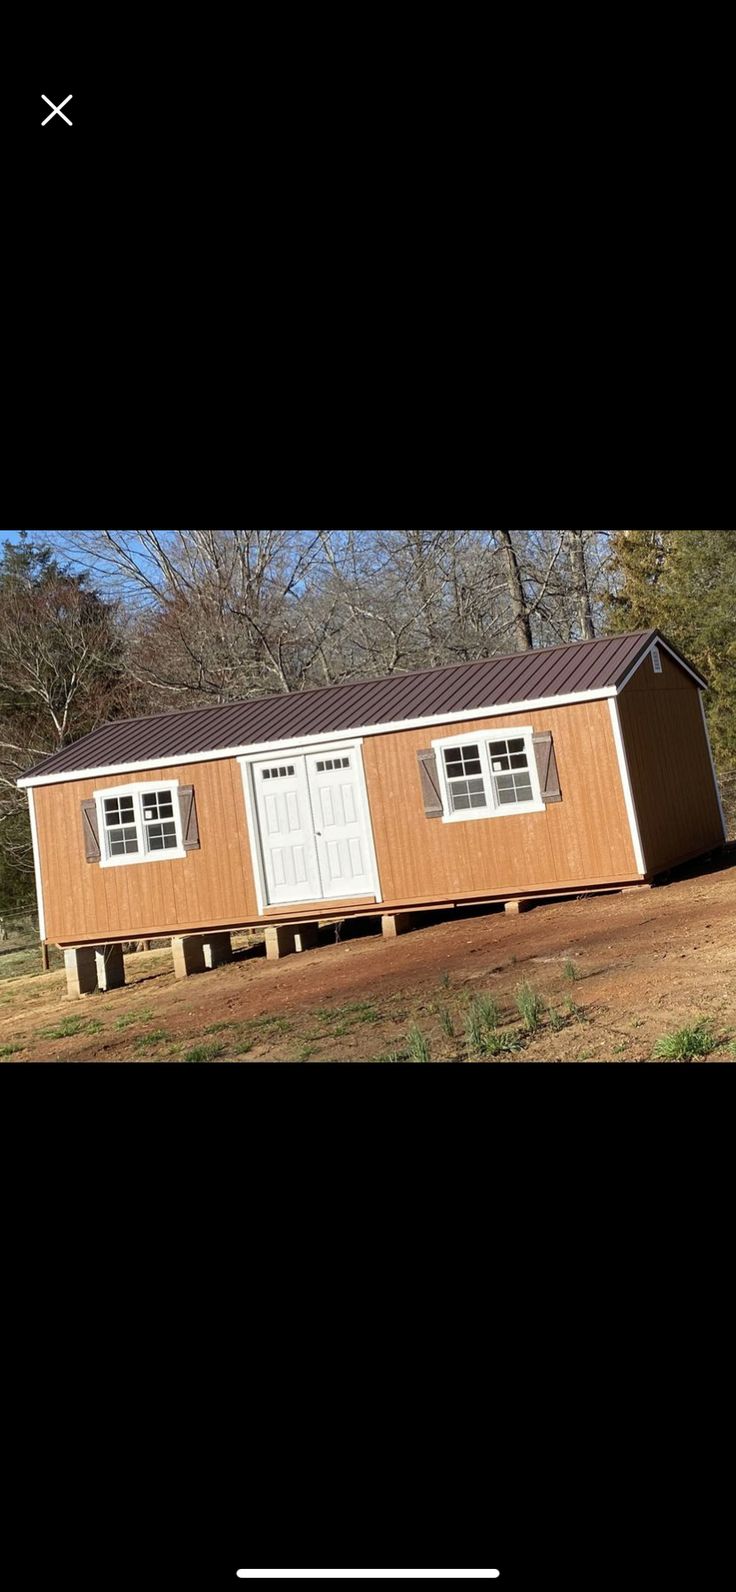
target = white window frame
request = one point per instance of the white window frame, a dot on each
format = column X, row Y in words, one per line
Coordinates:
column 141, row 855
column 482, row 739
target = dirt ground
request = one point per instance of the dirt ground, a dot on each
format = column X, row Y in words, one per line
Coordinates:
column 607, row 978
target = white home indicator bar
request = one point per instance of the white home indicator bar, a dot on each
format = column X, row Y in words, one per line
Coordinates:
column 369, row 1575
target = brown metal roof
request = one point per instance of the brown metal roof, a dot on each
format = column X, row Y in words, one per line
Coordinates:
column 424, row 693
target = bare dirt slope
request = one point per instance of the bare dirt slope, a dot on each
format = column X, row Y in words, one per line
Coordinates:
column 614, row 974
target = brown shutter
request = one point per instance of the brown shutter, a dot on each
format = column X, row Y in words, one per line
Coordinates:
column 188, row 812
column 431, row 793
column 549, row 779
column 91, row 831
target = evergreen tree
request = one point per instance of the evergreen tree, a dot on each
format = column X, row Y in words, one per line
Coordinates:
column 684, row 583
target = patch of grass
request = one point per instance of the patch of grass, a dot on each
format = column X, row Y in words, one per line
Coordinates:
column 556, row 1020
column 306, row 1053
column 129, row 1019
column 277, row 1025
column 10, row 1050
column 445, row 981
column 157, row 1036
column 204, row 1053
column 488, row 1010
column 570, row 971
column 686, row 1043
column 475, row 1029
column 418, row 1045
column 348, row 1015
column 447, row 1021
column 69, row 1027
column 27, row 960
column 531, row 1006
column 497, row 1043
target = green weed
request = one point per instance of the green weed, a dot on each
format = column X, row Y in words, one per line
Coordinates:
column 447, row 1021
column 419, row 1047
column 69, row 1027
column 129, row 1019
column 204, row 1053
column 531, row 1006
column 686, row 1043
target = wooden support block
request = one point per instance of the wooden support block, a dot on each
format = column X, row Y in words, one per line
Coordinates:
column 81, row 970
column 110, row 966
column 45, row 956
column 514, row 907
column 218, row 949
column 279, row 941
column 306, row 936
column 395, row 923
column 188, row 951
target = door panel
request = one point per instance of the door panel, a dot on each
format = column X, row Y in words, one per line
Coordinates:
column 287, row 831
column 342, row 846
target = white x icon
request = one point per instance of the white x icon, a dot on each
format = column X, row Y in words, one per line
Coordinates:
column 56, row 110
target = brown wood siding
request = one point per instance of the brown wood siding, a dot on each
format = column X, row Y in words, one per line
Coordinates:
column 582, row 840
column 669, row 765
column 585, row 837
column 207, row 887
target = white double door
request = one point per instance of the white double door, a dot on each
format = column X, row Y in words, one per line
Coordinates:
column 314, row 831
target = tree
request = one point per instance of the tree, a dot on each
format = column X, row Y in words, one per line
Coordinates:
column 682, row 582
column 517, row 598
column 575, row 541
column 638, row 563
column 62, row 672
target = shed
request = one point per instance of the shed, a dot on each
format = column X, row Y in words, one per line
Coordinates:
column 574, row 768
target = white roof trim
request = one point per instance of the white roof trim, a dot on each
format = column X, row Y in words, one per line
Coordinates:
column 662, row 646
column 317, row 739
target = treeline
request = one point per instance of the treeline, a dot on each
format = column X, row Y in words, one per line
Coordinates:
column 99, row 624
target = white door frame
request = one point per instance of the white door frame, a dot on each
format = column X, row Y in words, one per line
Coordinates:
column 251, row 812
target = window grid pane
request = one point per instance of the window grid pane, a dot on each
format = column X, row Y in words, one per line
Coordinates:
column 465, row 778
column 510, row 769
column 158, row 819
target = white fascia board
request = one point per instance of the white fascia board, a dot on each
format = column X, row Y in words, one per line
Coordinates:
column 713, row 766
column 623, row 764
column 663, row 647
column 37, row 868
column 317, row 740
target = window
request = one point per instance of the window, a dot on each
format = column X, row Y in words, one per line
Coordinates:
column 158, row 819
column 137, row 824
column 511, row 774
column 491, row 776
column 465, row 782
column 656, row 660
column 121, row 832
column 330, row 763
column 284, row 772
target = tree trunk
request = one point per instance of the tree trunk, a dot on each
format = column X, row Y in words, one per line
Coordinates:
column 519, row 609
column 581, row 590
